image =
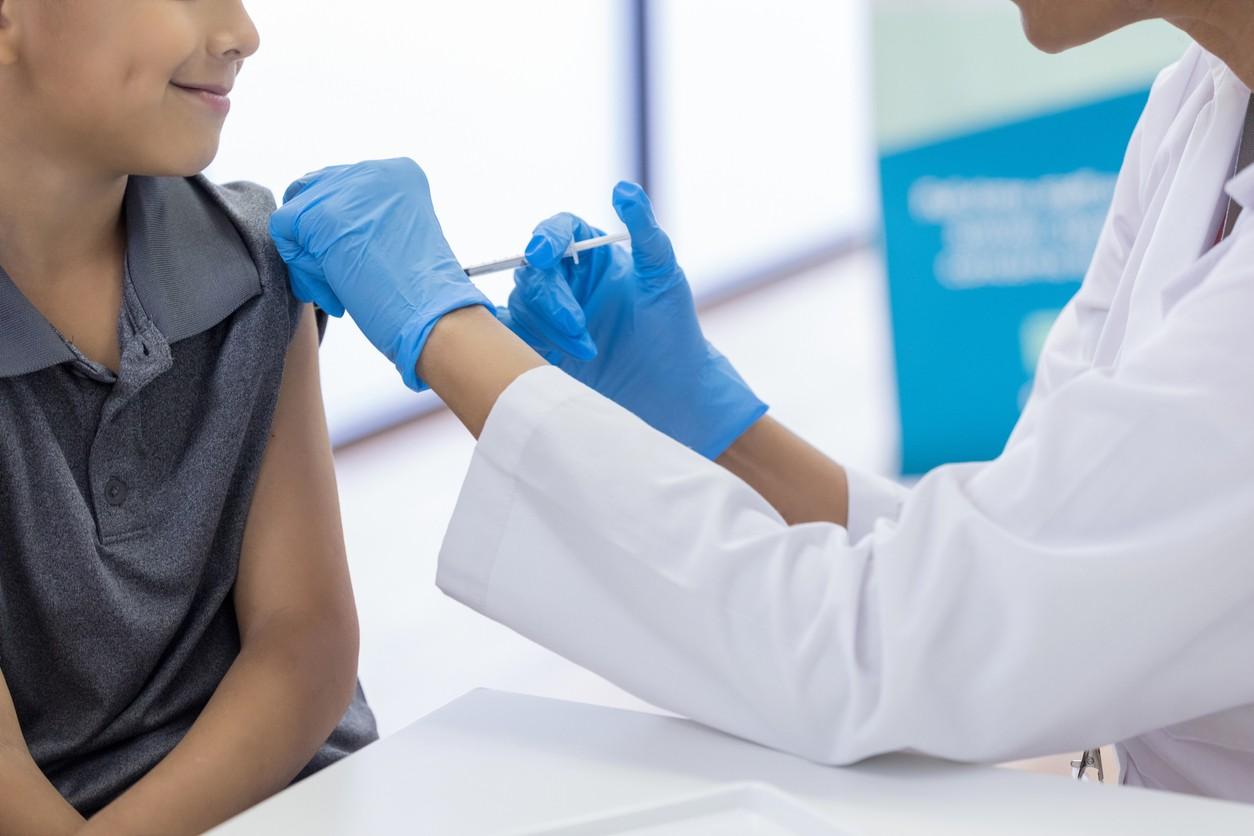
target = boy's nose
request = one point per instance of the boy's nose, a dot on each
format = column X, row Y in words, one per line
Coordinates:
column 235, row 36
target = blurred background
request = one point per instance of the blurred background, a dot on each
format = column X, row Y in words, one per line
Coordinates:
column 852, row 187
column 518, row 111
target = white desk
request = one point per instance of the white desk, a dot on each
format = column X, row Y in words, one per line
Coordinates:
column 494, row 763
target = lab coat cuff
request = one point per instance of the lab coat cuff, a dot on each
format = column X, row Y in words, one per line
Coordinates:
column 871, row 498
column 485, row 505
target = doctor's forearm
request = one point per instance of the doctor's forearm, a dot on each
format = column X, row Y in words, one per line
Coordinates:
column 801, row 483
column 470, row 359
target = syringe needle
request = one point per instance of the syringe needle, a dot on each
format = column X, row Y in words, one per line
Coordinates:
column 574, row 251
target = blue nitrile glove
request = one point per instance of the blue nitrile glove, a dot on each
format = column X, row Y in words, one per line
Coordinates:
column 647, row 352
column 365, row 237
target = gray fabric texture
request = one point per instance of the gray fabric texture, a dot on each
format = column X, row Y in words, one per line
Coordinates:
column 123, row 499
column 29, row 342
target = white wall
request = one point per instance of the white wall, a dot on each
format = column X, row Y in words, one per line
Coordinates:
column 762, row 139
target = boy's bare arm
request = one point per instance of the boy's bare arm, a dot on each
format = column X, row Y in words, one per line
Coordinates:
column 29, row 804
column 297, row 669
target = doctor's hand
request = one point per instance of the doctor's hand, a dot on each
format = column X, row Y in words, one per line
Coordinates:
column 366, row 238
column 625, row 325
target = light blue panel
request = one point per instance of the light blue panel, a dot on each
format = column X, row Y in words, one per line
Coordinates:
column 987, row 237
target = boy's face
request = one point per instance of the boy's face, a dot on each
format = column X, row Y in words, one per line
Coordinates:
column 123, row 86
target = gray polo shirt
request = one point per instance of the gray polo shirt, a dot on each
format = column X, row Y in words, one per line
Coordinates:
column 123, row 499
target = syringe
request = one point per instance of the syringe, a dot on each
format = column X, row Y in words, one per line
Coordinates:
column 574, row 251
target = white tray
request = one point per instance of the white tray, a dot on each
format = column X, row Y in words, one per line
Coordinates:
column 737, row 810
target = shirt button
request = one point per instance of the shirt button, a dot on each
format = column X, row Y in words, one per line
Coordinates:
column 115, row 492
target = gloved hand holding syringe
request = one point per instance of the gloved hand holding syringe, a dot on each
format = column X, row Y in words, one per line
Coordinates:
column 365, row 239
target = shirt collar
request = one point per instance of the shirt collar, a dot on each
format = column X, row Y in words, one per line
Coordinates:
column 186, row 260
column 1241, row 188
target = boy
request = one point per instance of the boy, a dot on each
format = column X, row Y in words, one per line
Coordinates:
column 178, row 638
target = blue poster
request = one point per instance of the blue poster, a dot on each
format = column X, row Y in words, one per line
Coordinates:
column 997, row 168
column 987, row 236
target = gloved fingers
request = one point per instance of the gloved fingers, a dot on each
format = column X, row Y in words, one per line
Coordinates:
column 309, row 218
column 309, row 283
column 651, row 248
column 285, row 223
column 545, row 301
column 310, row 287
column 553, row 237
column 546, row 293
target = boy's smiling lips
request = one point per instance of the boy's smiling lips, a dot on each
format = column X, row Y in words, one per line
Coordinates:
column 212, row 95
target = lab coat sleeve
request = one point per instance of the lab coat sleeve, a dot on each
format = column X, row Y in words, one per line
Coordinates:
column 1093, row 583
column 871, row 498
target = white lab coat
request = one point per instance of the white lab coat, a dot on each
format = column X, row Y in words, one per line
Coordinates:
column 1095, row 583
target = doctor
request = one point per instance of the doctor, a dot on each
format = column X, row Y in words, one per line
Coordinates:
column 631, row 507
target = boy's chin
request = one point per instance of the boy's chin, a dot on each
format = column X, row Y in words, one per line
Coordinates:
column 186, row 161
